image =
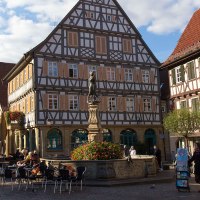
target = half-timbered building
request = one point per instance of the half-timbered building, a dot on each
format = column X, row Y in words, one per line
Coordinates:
column 184, row 73
column 50, row 83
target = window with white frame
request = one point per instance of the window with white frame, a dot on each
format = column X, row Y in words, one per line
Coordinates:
column 92, row 69
column 53, row 101
column 178, row 74
column 73, row 102
column 147, row 104
column 195, row 104
column 112, row 104
column 128, row 75
column 52, row 69
column 183, row 104
column 145, row 76
column 130, row 104
column 110, row 72
column 73, row 70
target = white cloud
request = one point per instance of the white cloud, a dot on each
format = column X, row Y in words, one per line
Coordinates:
column 23, row 32
column 160, row 17
column 21, row 36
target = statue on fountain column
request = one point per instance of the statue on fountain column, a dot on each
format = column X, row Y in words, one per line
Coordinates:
column 94, row 123
column 92, row 95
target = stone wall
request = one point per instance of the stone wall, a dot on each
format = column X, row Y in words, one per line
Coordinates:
column 139, row 167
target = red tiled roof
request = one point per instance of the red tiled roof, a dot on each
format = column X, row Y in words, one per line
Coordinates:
column 189, row 40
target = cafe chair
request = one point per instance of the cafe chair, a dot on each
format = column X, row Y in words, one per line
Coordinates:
column 21, row 177
column 80, row 176
column 64, row 178
column 8, row 176
column 49, row 178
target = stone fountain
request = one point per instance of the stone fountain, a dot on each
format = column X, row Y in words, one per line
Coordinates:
column 94, row 122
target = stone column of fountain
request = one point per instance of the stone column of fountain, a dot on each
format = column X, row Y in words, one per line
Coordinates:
column 94, row 122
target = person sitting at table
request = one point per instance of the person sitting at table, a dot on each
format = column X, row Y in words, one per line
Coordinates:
column 26, row 161
column 34, row 160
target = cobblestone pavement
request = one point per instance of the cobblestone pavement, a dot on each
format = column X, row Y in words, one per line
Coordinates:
column 164, row 191
column 142, row 191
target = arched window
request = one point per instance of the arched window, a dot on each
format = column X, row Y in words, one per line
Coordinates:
column 107, row 135
column 128, row 137
column 79, row 136
column 150, row 140
column 54, row 139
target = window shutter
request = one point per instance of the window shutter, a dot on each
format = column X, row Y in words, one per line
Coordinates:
column 173, row 77
column 118, row 74
column 65, row 70
column 153, row 104
column 122, row 74
column 136, row 104
column 104, row 45
column 60, row 69
column 66, row 102
column 152, row 77
column 182, row 73
column 45, row 68
column 104, row 104
column 45, row 101
column 124, row 45
column 14, row 84
column 140, row 76
column 98, row 44
column 141, row 103
column 80, row 71
column 33, row 102
column 100, row 73
column 28, row 104
column 30, row 71
column 129, row 45
column 26, row 71
column 62, row 102
column 85, row 72
column 135, row 79
column 119, row 104
column 75, row 39
column 123, row 104
column 104, row 75
column 22, row 77
column 82, row 104
column 70, row 38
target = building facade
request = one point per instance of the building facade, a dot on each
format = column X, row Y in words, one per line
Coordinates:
column 50, row 83
column 183, row 67
column 4, row 69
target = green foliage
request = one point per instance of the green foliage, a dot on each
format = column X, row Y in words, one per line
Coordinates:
column 97, row 151
column 182, row 122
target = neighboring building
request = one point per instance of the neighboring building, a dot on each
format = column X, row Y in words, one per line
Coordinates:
column 4, row 69
column 184, row 73
column 50, row 83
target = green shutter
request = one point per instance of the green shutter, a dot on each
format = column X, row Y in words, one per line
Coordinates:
column 182, row 73
column 173, row 77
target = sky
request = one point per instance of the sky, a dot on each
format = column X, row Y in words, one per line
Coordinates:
column 26, row 23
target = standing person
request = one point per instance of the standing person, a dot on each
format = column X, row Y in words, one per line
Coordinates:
column 132, row 152
column 157, row 154
column 126, row 151
column 196, row 158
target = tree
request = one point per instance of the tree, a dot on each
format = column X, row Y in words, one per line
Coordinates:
column 182, row 122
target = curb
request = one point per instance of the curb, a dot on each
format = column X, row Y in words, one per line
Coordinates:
column 162, row 177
